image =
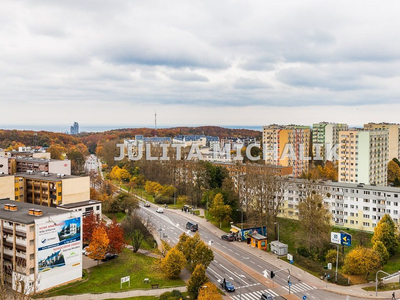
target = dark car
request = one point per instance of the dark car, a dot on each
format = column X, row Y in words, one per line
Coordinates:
column 227, row 237
column 266, row 296
column 109, row 256
column 192, row 226
column 227, row 286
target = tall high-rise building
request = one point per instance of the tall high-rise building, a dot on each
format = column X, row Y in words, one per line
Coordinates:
column 394, row 136
column 327, row 135
column 363, row 157
column 75, row 128
column 287, row 146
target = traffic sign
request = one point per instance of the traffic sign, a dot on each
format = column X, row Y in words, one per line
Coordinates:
column 291, row 262
column 345, row 239
column 289, row 283
column 336, row 238
column 304, row 297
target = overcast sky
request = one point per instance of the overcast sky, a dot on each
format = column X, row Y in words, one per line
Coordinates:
column 199, row 62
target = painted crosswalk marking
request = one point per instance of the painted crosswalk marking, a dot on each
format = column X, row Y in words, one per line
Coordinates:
column 300, row 287
column 254, row 295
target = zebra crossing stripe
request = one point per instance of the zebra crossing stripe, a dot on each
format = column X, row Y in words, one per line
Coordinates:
column 254, row 295
column 299, row 287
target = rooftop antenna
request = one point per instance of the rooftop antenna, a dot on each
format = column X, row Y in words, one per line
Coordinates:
column 155, row 123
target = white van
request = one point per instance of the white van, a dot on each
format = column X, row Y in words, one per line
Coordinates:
column 160, row 210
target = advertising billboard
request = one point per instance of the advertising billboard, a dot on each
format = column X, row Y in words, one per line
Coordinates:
column 58, row 250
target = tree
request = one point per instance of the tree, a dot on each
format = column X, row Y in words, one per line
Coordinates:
column 202, row 255
column 89, row 223
column 393, row 171
column 99, row 244
column 188, row 248
column 209, row 291
column 182, row 239
column 385, row 232
column 219, row 210
column 115, row 234
column 381, row 249
column 331, row 256
column 197, row 279
column 315, row 220
column 173, row 263
column 361, row 261
column 135, row 231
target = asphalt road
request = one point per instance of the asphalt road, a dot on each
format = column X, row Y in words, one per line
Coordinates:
column 173, row 225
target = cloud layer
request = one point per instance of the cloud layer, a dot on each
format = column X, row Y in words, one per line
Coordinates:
column 179, row 56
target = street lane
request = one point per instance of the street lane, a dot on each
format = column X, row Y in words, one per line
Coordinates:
column 175, row 221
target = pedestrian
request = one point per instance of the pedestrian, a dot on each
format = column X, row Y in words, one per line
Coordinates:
column 393, row 296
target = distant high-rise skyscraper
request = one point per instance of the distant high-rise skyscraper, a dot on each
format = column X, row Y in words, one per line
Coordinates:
column 75, row 128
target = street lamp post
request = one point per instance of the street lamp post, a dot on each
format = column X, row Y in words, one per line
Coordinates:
column 241, row 232
column 276, row 223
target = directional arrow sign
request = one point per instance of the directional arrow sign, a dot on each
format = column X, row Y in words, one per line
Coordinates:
column 210, row 242
column 266, row 273
column 346, row 239
column 304, row 297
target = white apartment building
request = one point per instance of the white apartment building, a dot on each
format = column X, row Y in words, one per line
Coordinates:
column 356, row 206
column 394, row 136
column 363, row 157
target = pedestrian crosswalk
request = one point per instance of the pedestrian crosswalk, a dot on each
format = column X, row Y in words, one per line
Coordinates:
column 300, row 287
column 253, row 295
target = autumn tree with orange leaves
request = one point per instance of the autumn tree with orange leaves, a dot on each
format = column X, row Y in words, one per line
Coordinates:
column 99, row 244
column 209, row 291
column 115, row 235
column 90, row 223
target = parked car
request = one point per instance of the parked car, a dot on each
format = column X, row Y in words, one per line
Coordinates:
column 146, row 204
column 266, row 296
column 160, row 210
column 227, row 237
column 84, row 251
column 227, row 286
column 109, row 256
column 192, row 226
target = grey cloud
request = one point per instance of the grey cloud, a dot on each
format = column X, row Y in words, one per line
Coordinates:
column 250, row 83
column 188, row 76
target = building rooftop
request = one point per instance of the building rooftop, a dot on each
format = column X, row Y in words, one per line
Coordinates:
column 21, row 215
column 45, row 176
column 79, row 204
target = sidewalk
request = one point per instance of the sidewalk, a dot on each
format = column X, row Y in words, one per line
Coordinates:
column 270, row 258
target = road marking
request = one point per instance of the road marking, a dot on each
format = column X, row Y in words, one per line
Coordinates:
column 233, row 273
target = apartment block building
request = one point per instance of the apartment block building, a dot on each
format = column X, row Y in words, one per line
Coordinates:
column 16, row 164
column 40, row 247
column 363, row 157
column 287, row 146
column 326, row 135
column 50, row 189
column 357, row 206
column 394, row 136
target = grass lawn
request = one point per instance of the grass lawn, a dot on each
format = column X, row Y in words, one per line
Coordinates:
column 386, row 287
column 106, row 277
column 142, row 193
column 119, row 216
column 226, row 226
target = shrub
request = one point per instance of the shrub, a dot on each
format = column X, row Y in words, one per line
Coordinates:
column 163, row 200
column 174, row 295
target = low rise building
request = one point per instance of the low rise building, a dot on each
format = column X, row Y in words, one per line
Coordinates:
column 41, row 247
column 86, row 207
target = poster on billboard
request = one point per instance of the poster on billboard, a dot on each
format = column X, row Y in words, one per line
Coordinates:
column 59, row 250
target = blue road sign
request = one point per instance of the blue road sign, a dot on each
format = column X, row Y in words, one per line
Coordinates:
column 304, row 297
column 291, row 262
column 345, row 239
column 289, row 283
column 328, row 276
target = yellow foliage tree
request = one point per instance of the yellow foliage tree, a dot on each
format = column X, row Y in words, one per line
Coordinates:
column 361, row 261
column 219, row 210
column 209, row 291
column 393, row 171
column 99, row 243
column 173, row 263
